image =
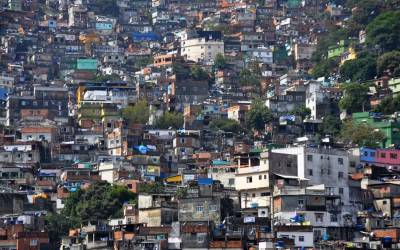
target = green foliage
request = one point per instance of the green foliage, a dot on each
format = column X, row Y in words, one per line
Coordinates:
column 139, row 113
column 107, row 7
column 106, row 78
column 227, row 125
column 99, row 202
column 248, row 78
column 151, row 188
column 220, row 62
column 57, row 225
column 361, row 134
column 198, row 73
column 143, row 62
column 389, row 63
column 331, row 125
column 301, row 111
column 365, row 11
column 383, row 31
column 181, row 192
column 324, row 67
column 170, row 119
column 332, row 37
column 388, row 105
column 180, row 69
column 360, row 69
column 355, row 97
column 258, row 115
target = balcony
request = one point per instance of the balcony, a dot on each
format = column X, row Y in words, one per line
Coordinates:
column 297, row 191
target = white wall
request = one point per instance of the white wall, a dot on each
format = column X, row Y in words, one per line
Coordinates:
column 308, row 238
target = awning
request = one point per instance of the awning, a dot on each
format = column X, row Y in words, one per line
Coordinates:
column 293, row 177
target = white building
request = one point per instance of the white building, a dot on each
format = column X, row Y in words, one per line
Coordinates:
column 319, row 99
column 252, row 182
column 323, row 166
column 201, row 49
column 303, row 236
column 264, row 55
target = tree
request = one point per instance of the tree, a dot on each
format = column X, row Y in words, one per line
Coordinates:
column 389, row 63
column 106, row 78
column 100, row 201
column 324, row 67
column 198, row 73
column 360, row 69
column 355, row 97
column 247, row 78
column 383, row 31
column 388, row 105
column 365, row 11
column 220, row 62
column 227, row 125
column 258, row 115
column 331, row 125
column 139, row 113
column 301, row 111
column 57, row 225
column 361, row 134
column 143, row 62
column 180, row 69
column 151, row 188
column 170, row 120
column 107, row 7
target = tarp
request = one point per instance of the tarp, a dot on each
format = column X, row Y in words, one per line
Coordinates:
column 205, row 181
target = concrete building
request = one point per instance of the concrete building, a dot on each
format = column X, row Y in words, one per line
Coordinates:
column 324, row 165
column 202, row 46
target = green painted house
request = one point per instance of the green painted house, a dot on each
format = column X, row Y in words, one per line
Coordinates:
column 86, row 64
column 389, row 127
column 394, row 85
column 337, row 50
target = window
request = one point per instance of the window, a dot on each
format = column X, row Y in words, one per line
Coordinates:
column 213, row 208
column 34, row 242
column 340, row 161
column 384, row 202
column 264, row 194
column 249, row 179
column 301, row 238
column 310, row 172
column 334, row 218
column 319, row 217
column 265, row 176
column 231, row 181
column 340, row 174
column 393, row 156
column 300, row 202
column 253, row 195
column 383, row 155
column 199, row 208
column 341, row 190
column 260, row 177
column 309, row 157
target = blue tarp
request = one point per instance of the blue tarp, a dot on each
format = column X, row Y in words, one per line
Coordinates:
column 205, row 181
column 3, row 93
column 144, row 37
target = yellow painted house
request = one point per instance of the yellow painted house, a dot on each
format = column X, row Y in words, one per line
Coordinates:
column 350, row 54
